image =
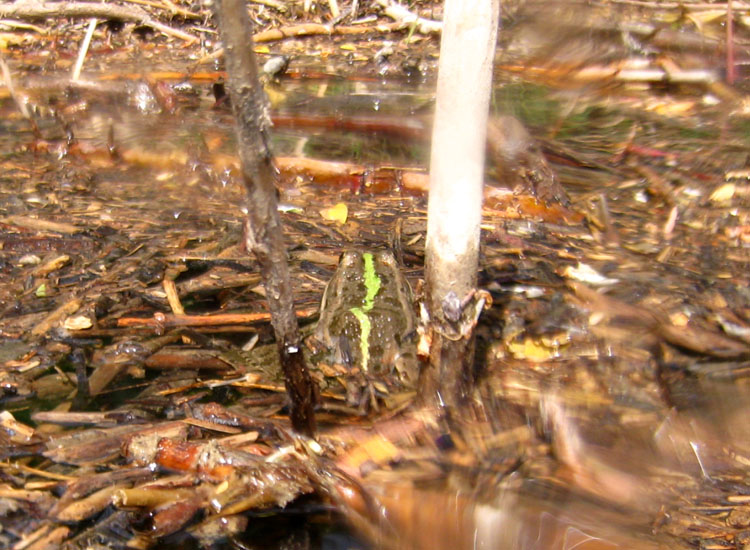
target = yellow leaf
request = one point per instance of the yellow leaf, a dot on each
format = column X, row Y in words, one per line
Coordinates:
column 723, row 193
column 79, row 322
column 262, row 49
column 337, row 213
column 10, row 39
column 679, row 319
column 275, row 96
column 531, row 350
column 348, row 47
column 707, row 16
column 672, row 108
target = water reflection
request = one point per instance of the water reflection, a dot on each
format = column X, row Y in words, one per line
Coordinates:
column 601, row 490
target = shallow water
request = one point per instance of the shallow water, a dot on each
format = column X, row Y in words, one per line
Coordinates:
column 610, row 403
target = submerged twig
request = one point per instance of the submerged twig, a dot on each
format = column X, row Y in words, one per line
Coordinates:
column 8, row 81
column 162, row 320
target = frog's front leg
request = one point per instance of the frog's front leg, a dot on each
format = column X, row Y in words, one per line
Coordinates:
column 363, row 391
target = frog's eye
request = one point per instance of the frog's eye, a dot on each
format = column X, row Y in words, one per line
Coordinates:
column 386, row 257
column 349, row 258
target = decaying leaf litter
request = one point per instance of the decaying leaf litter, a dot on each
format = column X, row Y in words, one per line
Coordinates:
column 611, row 398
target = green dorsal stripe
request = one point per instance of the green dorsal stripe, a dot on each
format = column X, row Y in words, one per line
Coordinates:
column 364, row 335
column 372, row 287
column 372, row 282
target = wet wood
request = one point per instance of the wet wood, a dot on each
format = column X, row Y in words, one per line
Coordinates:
column 187, row 359
column 263, row 232
column 161, row 320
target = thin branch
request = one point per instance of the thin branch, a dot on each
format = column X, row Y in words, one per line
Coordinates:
column 84, row 50
column 164, row 320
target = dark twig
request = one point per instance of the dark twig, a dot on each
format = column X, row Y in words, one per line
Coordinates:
column 263, row 234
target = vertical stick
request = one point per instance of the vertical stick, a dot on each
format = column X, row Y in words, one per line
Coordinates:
column 84, row 50
column 456, row 177
column 263, row 233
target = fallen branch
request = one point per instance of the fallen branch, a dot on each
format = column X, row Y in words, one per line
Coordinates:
column 88, row 10
column 312, row 29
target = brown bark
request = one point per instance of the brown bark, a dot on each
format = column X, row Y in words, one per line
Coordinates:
column 263, row 234
column 450, row 375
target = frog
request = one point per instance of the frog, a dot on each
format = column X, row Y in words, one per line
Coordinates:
column 367, row 325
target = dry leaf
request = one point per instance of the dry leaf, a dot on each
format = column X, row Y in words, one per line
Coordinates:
column 587, row 274
column 79, row 322
column 723, row 193
column 337, row 213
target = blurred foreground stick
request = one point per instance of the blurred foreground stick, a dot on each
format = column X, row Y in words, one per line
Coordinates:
column 262, row 225
column 412, row 516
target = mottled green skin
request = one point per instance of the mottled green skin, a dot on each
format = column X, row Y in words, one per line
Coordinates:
column 367, row 317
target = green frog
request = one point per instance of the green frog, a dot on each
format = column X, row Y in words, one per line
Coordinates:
column 367, row 326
